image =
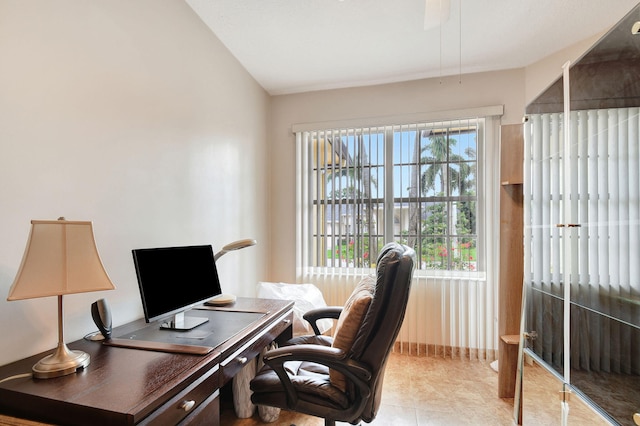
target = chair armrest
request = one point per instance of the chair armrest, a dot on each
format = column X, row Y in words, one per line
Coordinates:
column 334, row 358
column 312, row 316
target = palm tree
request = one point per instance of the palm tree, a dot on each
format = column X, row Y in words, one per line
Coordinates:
column 359, row 182
column 438, row 156
column 439, row 160
column 414, row 210
column 467, row 187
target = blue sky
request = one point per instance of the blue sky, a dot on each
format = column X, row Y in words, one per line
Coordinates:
column 402, row 156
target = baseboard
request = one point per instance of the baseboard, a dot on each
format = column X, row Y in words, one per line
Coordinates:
column 431, row 350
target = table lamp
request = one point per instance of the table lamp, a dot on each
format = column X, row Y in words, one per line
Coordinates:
column 61, row 258
column 236, row 245
column 226, row 298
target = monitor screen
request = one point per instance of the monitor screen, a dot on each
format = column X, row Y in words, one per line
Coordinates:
column 174, row 279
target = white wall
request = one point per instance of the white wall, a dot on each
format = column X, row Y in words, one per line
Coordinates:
column 133, row 115
column 512, row 88
column 542, row 74
column 475, row 90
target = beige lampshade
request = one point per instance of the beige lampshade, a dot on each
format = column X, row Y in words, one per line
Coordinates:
column 61, row 257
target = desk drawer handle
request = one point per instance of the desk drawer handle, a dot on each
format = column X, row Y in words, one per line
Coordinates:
column 286, row 321
column 242, row 360
column 187, row 405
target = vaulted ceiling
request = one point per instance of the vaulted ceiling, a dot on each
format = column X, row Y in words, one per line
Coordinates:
column 293, row 46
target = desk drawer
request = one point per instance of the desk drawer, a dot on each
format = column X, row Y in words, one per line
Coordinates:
column 234, row 363
column 207, row 414
column 186, row 402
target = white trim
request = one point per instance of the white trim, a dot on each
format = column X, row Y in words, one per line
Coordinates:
column 458, row 114
column 568, row 284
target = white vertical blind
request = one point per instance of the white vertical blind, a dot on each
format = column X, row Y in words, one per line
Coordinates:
column 603, row 193
column 450, row 313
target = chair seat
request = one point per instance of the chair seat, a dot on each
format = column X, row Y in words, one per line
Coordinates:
column 310, row 380
column 310, row 340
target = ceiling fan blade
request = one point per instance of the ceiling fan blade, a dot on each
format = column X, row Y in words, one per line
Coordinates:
column 436, row 12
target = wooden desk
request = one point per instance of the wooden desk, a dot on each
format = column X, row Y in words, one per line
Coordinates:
column 123, row 386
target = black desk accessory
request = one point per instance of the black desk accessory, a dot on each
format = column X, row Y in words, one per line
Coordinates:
column 101, row 315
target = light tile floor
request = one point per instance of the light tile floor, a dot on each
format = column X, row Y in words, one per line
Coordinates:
column 422, row 391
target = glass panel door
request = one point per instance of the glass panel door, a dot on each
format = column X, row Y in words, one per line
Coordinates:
column 582, row 229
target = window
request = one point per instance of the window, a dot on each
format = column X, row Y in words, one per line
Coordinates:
column 416, row 183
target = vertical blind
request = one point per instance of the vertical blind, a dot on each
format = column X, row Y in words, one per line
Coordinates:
column 600, row 217
column 451, row 311
column 417, row 184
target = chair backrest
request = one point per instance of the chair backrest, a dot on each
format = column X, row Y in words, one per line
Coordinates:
column 381, row 324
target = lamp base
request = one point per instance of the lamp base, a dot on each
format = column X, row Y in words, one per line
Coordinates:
column 60, row 363
column 221, row 300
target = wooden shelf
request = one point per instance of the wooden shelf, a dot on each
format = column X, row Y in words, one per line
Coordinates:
column 511, row 255
column 511, row 339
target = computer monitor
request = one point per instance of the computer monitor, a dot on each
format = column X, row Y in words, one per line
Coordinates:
column 172, row 280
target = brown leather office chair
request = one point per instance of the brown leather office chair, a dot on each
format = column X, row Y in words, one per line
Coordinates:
column 340, row 378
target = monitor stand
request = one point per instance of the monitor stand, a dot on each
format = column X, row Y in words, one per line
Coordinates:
column 182, row 322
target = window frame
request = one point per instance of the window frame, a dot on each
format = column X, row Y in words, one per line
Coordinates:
column 487, row 117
